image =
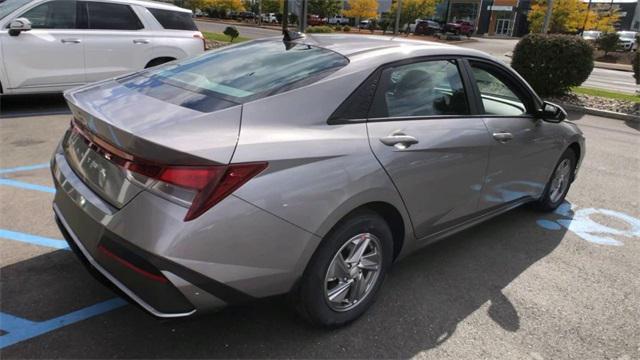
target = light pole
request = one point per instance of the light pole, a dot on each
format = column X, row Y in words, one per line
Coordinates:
column 285, row 16
column 398, row 11
column 547, row 17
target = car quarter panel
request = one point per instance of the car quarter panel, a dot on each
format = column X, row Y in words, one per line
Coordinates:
column 317, row 173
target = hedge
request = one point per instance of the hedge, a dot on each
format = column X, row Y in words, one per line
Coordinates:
column 552, row 64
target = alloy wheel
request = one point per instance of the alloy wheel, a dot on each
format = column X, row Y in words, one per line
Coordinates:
column 353, row 272
column 560, row 181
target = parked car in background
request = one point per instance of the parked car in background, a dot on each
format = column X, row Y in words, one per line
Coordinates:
column 460, row 27
column 591, row 35
column 52, row 45
column 263, row 169
column 246, row 15
column 339, row 20
column 270, row 18
column 364, row 24
column 315, row 20
column 427, row 27
column 412, row 26
column 628, row 40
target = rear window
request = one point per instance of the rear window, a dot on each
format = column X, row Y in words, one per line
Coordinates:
column 239, row 74
column 174, row 20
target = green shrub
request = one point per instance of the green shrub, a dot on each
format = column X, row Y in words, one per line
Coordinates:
column 346, row 28
column 319, row 29
column 553, row 63
column 608, row 42
column 231, row 32
column 337, row 28
column 636, row 67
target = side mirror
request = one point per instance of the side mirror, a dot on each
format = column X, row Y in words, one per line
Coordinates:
column 551, row 112
column 19, row 25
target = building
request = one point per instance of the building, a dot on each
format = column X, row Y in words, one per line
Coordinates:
column 504, row 18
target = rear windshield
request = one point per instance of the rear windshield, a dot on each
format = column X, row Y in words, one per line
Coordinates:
column 174, row 20
column 239, row 74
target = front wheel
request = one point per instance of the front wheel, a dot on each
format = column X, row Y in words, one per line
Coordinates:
column 558, row 187
column 346, row 272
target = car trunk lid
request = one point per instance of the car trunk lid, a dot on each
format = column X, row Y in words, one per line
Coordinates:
column 113, row 121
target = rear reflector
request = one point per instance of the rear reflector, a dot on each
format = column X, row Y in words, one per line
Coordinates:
column 129, row 265
column 211, row 183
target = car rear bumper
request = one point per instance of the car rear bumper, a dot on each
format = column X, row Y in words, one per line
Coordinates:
column 181, row 307
column 234, row 253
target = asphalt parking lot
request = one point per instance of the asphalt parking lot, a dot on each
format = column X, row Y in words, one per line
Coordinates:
column 525, row 285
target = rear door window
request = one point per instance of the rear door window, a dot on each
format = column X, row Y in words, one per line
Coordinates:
column 109, row 16
column 428, row 88
column 59, row 14
column 174, row 20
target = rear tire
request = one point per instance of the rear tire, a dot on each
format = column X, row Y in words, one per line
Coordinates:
column 560, row 182
column 333, row 292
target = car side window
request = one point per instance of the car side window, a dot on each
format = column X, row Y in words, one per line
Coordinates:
column 429, row 88
column 108, row 16
column 60, row 14
column 498, row 97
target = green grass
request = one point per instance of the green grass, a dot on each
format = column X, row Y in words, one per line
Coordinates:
column 222, row 37
column 606, row 94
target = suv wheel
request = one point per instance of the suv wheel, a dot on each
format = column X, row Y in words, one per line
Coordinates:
column 346, row 272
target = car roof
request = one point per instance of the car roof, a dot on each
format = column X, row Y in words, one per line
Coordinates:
column 353, row 46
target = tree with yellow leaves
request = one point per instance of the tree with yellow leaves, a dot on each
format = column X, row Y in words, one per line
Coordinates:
column 362, row 9
column 569, row 16
column 602, row 20
column 227, row 5
column 218, row 5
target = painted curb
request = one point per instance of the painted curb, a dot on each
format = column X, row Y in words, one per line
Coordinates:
column 603, row 113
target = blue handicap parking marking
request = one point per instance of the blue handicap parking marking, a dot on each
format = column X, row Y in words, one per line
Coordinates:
column 24, row 168
column 18, row 329
column 581, row 222
column 26, row 185
column 33, row 239
column 23, row 184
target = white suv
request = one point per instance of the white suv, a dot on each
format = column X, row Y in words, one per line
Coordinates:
column 52, row 45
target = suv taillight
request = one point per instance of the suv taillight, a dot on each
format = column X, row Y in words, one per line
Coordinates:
column 204, row 40
column 198, row 187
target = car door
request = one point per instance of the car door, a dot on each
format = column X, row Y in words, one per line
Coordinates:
column 422, row 132
column 50, row 56
column 524, row 148
column 115, row 41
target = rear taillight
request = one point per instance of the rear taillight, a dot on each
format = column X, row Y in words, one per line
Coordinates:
column 198, row 187
column 204, row 40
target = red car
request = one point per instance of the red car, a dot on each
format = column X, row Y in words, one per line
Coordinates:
column 315, row 20
column 460, row 28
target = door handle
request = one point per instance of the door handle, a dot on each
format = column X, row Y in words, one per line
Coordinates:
column 71, row 41
column 399, row 140
column 140, row 41
column 503, row 137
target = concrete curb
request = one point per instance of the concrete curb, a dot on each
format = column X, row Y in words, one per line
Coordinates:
column 598, row 112
column 610, row 66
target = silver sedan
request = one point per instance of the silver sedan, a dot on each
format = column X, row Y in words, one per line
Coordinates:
column 303, row 166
